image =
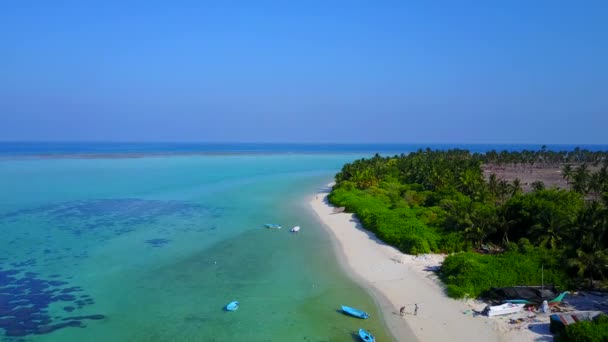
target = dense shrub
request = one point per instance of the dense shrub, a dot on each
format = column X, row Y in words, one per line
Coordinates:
column 453, row 242
column 471, row 274
column 399, row 227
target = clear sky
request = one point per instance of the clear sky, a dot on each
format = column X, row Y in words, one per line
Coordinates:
column 305, row 71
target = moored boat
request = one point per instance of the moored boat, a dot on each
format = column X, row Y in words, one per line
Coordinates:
column 366, row 336
column 295, row 229
column 354, row 312
column 503, row 309
column 551, row 302
column 232, row 306
column 272, row 225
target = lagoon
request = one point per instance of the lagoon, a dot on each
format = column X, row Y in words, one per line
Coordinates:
column 153, row 248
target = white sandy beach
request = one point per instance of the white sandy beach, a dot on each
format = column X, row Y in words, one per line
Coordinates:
column 396, row 279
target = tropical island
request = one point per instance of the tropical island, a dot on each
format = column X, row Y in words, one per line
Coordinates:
column 501, row 217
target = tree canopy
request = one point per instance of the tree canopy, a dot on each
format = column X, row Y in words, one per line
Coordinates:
column 440, row 201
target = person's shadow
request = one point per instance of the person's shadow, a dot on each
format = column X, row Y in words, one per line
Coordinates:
column 401, row 314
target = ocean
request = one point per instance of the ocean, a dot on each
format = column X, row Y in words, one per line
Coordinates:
column 124, row 149
column 98, row 245
column 153, row 248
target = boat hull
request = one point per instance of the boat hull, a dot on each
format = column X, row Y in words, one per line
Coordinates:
column 504, row 309
column 366, row 336
column 232, row 306
column 354, row 312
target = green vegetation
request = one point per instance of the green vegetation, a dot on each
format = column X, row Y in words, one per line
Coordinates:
column 440, row 201
column 586, row 331
column 469, row 274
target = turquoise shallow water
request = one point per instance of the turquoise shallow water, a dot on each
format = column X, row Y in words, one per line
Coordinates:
column 151, row 249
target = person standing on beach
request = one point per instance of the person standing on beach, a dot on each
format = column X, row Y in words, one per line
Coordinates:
column 402, row 311
column 415, row 309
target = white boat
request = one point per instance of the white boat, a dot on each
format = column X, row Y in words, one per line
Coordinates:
column 295, row 229
column 503, row 309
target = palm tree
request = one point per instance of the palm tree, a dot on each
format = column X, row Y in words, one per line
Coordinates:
column 493, row 184
column 503, row 224
column 567, row 172
column 595, row 185
column 593, row 227
column 516, row 187
column 548, row 237
column 364, row 178
column 590, row 263
column 482, row 222
column 590, row 242
column 470, row 183
column 552, row 229
column 581, row 179
column 543, row 151
column 503, row 191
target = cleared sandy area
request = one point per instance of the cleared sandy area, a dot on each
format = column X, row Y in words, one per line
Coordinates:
column 397, row 279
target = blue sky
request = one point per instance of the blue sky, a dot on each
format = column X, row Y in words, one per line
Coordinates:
column 287, row 71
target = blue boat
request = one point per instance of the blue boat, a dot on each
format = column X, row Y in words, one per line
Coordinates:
column 232, row 306
column 273, row 225
column 366, row 336
column 354, row 312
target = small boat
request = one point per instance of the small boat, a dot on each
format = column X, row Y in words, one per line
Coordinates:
column 295, row 229
column 366, row 336
column 232, row 306
column 503, row 309
column 558, row 299
column 354, row 312
column 272, row 225
column 552, row 302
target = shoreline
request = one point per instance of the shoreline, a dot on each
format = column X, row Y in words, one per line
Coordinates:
column 396, row 279
column 389, row 315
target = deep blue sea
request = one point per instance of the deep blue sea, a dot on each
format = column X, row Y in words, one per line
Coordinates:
column 134, row 148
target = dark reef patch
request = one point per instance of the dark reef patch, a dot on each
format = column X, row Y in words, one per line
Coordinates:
column 95, row 317
column 158, row 242
column 119, row 216
column 43, row 243
column 25, row 300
